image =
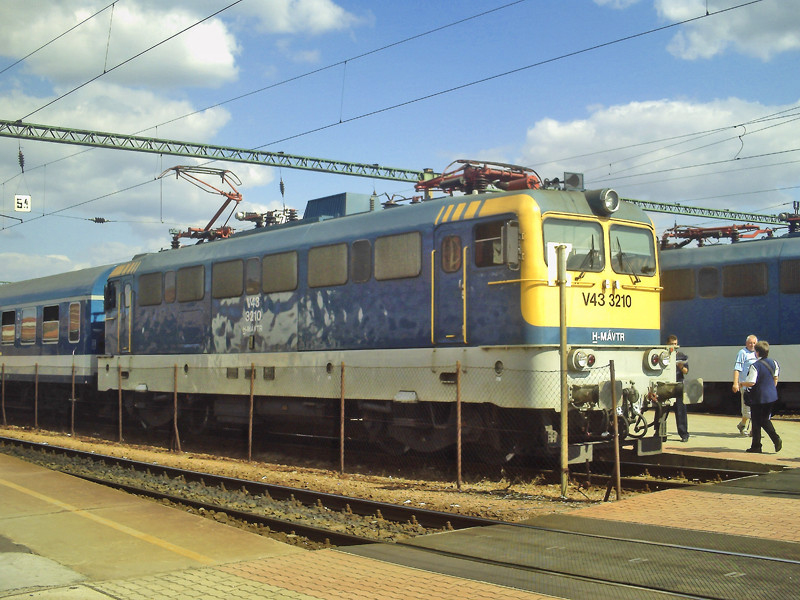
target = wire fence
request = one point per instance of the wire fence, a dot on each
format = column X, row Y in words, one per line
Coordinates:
column 453, row 419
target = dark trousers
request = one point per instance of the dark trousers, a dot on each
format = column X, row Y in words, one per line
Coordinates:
column 759, row 415
column 681, row 419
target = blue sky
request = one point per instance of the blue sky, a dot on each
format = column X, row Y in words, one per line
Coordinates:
column 689, row 101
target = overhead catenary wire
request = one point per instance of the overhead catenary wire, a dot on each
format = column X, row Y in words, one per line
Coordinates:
column 58, row 37
column 474, row 82
column 312, row 72
column 132, row 58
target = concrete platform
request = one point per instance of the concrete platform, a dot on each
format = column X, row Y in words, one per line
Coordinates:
column 716, row 436
column 62, row 538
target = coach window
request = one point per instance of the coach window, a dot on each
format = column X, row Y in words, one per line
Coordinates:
column 451, row 254
column 744, row 280
column 586, row 238
column 9, row 323
column 50, row 324
column 74, row 322
column 678, row 284
column 708, row 282
column 169, row 286
column 191, row 283
column 28, row 333
column 790, row 277
column 150, row 289
column 252, row 276
column 227, row 279
column 279, row 272
column 327, row 265
column 632, row 250
column 398, row 256
column 361, row 261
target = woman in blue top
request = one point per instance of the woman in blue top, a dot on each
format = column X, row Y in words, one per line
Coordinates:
column 762, row 379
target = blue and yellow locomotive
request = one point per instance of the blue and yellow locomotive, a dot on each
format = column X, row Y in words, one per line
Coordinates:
column 406, row 300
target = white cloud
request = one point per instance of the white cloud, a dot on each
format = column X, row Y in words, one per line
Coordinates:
column 299, row 56
column 301, row 16
column 762, row 30
column 642, row 150
column 203, row 56
column 17, row 266
column 616, row 4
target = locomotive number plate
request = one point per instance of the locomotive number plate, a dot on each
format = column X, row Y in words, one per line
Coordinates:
column 610, row 300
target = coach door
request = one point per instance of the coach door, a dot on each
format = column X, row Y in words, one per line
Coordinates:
column 449, row 267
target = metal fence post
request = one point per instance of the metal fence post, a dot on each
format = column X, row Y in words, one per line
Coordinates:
column 458, row 425
column 119, row 397
column 250, row 418
column 36, row 397
column 175, row 413
column 72, row 404
column 617, row 479
column 341, row 421
column 4, row 395
column 562, row 305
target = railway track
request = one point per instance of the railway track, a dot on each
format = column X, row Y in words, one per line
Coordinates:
column 321, row 518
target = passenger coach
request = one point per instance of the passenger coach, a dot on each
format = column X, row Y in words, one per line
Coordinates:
column 716, row 295
column 52, row 332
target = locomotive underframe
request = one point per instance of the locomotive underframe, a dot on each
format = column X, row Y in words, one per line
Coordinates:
column 401, row 399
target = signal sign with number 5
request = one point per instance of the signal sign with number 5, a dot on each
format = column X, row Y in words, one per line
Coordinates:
column 22, row 203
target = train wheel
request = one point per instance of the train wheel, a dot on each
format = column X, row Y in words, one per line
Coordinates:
column 194, row 415
column 151, row 410
column 377, row 429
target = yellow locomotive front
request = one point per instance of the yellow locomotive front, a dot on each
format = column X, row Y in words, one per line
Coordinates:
column 603, row 313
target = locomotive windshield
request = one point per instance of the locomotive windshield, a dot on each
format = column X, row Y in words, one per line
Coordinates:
column 632, row 250
column 587, row 252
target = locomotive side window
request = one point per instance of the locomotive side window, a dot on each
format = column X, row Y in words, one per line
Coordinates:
column 279, row 272
column 50, row 324
column 489, row 244
column 790, row 277
column 150, row 289
column 588, row 249
column 110, row 297
column 678, row 284
column 361, row 261
column 9, row 322
column 127, row 296
column 327, row 265
column 398, row 256
column 28, row 333
column 252, row 276
column 227, row 279
column 169, row 286
column 708, row 282
column 632, row 250
column 191, row 283
column 74, row 322
column 451, row 254
column 744, row 280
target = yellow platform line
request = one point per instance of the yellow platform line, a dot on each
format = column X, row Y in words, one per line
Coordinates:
column 112, row 524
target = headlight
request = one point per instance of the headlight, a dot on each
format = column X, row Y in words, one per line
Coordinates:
column 656, row 359
column 580, row 360
column 603, row 202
